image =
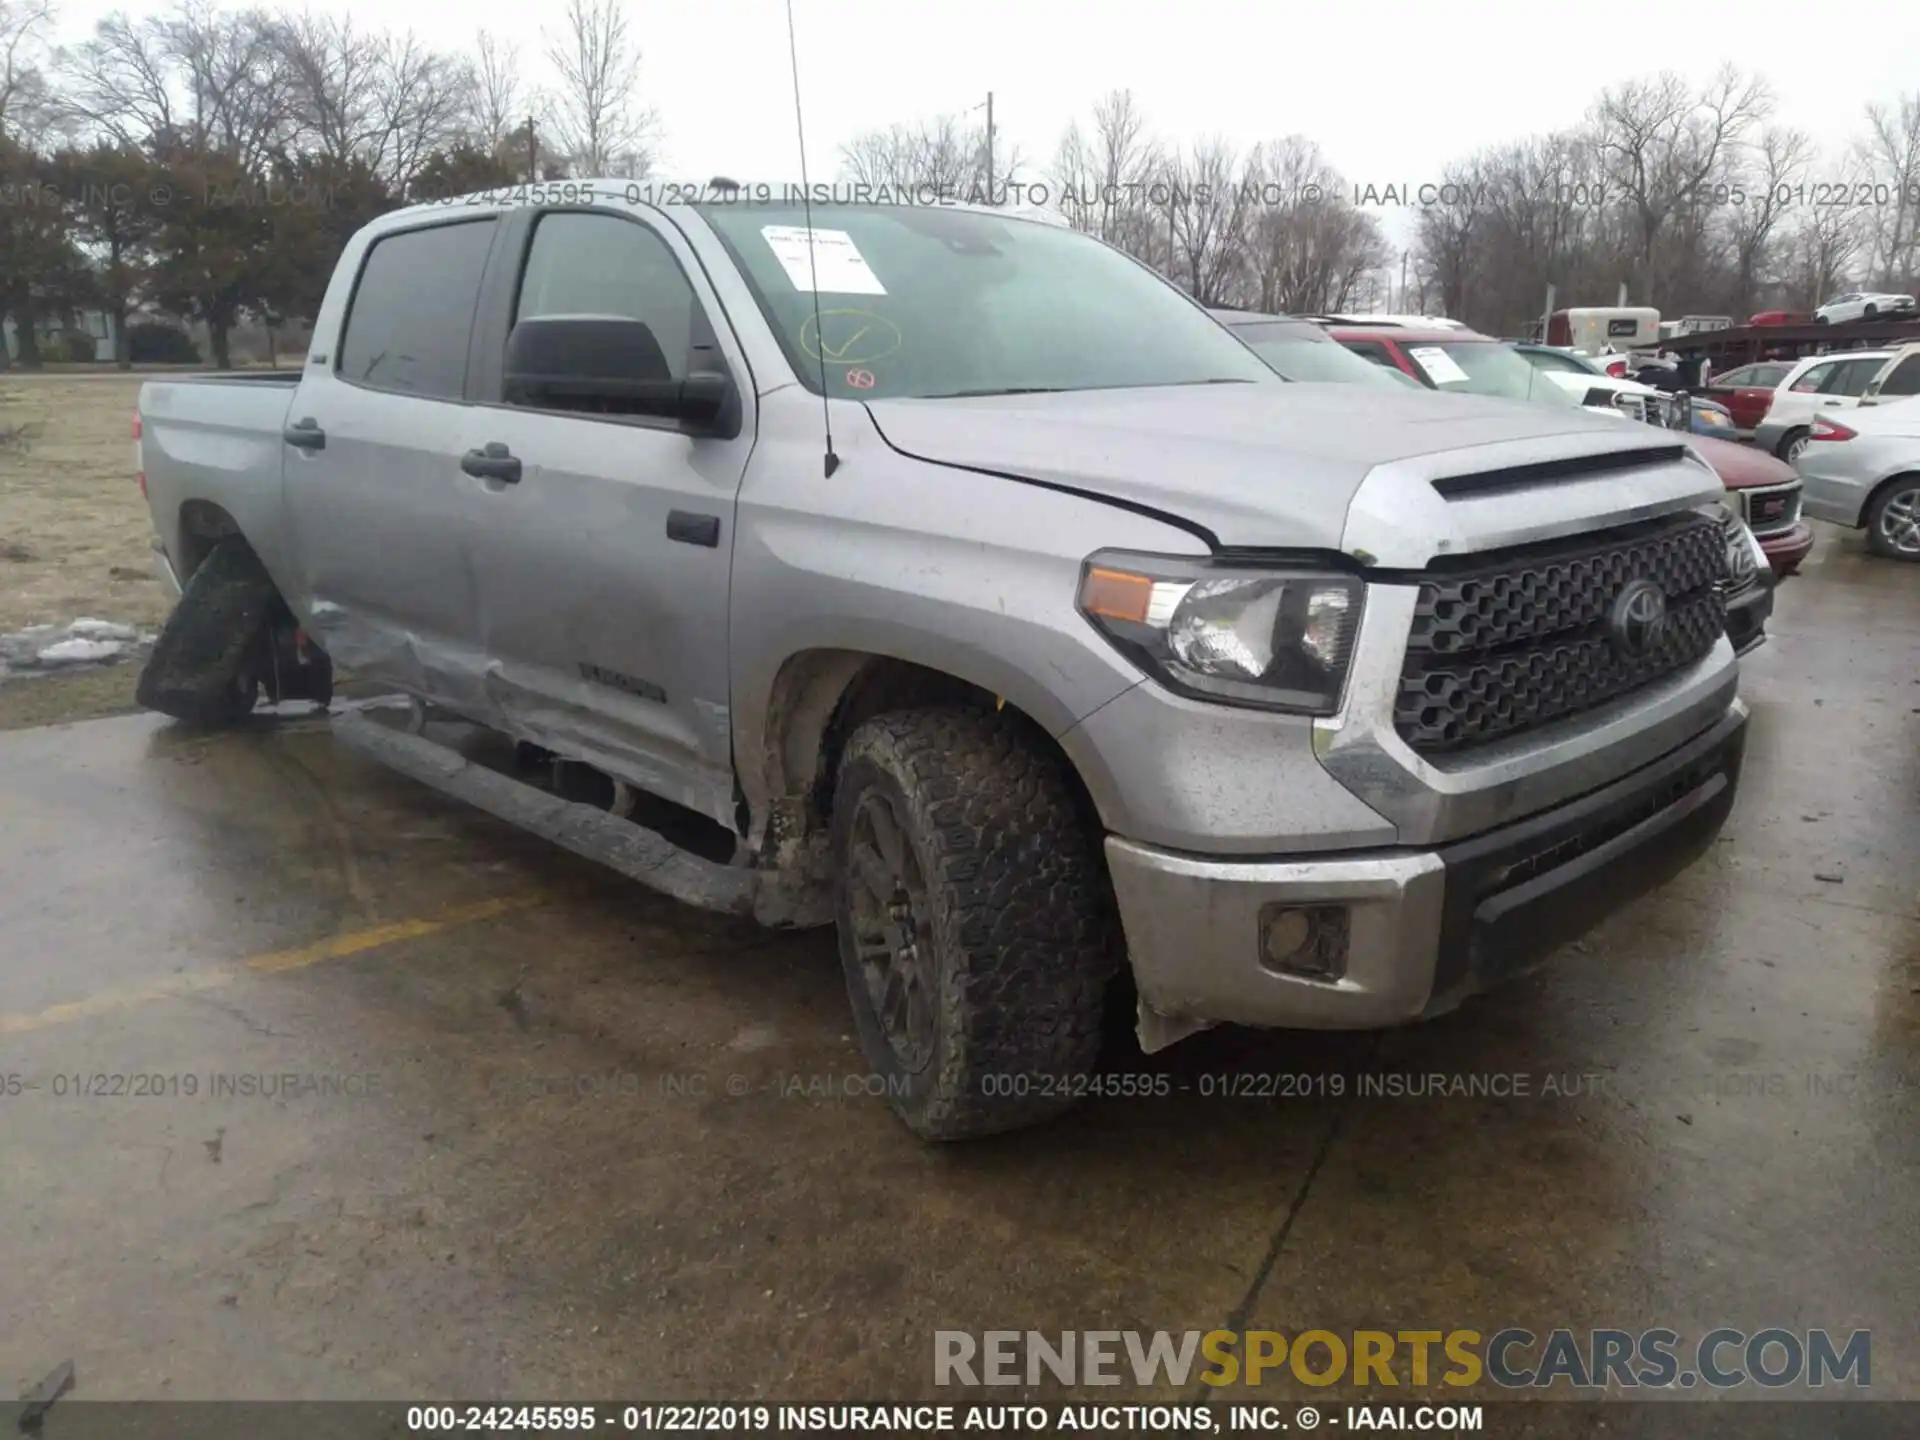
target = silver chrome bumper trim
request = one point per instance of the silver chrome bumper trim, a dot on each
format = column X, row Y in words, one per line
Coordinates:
column 1193, row 934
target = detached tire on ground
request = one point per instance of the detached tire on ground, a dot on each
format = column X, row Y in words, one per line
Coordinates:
column 201, row 670
column 975, row 918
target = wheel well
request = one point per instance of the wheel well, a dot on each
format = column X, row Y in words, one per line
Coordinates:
column 1885, row 485
column 203, row 525
column 821, row 697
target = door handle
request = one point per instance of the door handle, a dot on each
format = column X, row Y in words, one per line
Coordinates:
column 692, row 529
column 305, row 434
column 492, row 462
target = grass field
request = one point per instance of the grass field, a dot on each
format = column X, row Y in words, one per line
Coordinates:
column 74, row 533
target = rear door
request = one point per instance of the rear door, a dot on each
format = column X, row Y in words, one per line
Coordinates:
column 604, row 569
column 1843, row 389
column 1897, row 379
column 372, row 484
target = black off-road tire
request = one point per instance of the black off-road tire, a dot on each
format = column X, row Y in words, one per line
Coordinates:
column 201, row 670
column 1025, row 938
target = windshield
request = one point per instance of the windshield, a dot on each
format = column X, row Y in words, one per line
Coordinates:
column 1314, row 357
column 929, row 301
column 1554, row 360
column 1482, row 367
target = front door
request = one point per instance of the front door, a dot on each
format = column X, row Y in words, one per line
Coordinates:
column 604, row 568
column 372, row 486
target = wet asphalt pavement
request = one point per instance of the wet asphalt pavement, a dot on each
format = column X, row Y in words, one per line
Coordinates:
column 548, row 1135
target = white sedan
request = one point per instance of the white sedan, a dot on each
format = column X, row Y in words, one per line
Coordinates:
column 1864, row 472
column 1859, row 305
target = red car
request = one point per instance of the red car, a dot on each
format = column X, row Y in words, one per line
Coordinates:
column 1748, row 392
column 1780, row 317
column 1766, row 490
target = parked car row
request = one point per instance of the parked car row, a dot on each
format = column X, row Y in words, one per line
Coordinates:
column 1450, row 358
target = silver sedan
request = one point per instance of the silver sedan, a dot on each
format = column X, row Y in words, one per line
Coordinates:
column 1864, row 472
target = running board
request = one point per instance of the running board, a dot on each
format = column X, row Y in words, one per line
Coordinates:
column 633, row 850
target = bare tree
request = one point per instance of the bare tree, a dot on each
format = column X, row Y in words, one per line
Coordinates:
column 24, row 27
column 1206, row 211
column 196, row 77
column 1893, row 160
column 595, row 112
column 1102, row 184
column 1772, row 172
column 382, row 100
column 1826, row 241
column 1665, row 150
column 496, row 107
column 1309, row 249
column 943, row 157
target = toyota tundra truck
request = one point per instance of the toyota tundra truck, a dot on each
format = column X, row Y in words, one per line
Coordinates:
column 962, row 584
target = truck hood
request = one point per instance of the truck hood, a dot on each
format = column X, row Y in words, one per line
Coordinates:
column 1280, row 465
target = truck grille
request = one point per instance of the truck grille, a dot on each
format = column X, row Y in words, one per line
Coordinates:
column 1776, row 508
column 1516, row 643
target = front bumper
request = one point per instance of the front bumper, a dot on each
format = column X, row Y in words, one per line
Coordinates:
column 1787, row 548
column 1747, row 615
column 1425, row 927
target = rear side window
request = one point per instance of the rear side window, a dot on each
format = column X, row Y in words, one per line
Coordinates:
column 412, row 312
column 582, row 264
column 1854, row 377
column 1816, row 378
column 1905, row 379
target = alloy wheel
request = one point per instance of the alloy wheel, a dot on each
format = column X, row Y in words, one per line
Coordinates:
column 892, row 931
column 1900, row 521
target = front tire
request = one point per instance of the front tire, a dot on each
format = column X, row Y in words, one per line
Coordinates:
column 976, row 923
column 202, row 669
column 1792, row 444
column 1893, row 520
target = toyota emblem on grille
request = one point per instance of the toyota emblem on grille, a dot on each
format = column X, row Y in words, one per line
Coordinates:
column 1639, row 617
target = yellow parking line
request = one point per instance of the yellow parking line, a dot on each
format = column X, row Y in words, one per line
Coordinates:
column 273, row 962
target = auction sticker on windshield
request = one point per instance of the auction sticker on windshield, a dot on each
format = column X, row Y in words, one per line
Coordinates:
column 836, row 261
column 1438, row 365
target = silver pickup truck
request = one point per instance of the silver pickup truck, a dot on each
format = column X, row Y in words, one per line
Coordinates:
column 966, row 586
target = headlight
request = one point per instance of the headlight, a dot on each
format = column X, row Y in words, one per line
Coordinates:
column 1275, row 639
column 1745, row 558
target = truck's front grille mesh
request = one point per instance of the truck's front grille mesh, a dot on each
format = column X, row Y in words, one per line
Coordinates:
column 1528, row 639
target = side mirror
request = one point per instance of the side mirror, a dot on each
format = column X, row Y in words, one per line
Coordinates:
column 613, row 365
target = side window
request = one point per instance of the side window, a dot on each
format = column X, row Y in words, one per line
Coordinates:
column 604, row 265
column 1736, row 377
column 412, row 312
column 1816, row 378
column 1371, row 350
column 1905, row 379
column 1854, row 377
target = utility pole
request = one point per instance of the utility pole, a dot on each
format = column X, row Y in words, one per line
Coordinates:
column 990, row 147
column 533, row 153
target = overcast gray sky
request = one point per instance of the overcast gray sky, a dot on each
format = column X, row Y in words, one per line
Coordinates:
column 1390, row 88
